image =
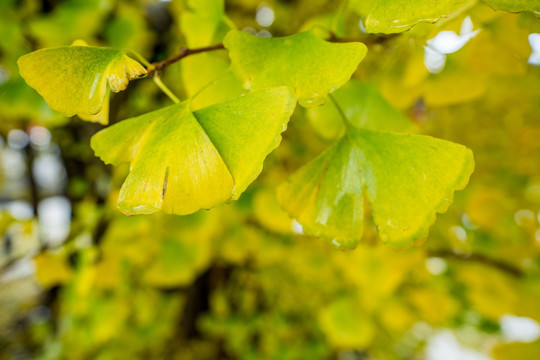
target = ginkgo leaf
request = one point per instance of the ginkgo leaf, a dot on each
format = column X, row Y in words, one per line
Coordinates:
column 515, row 5
column 205, row 22
column 308, row 64
column 73, row 79
column 394, row 16
column 183, row 161
column 102, row 117
column 364, row 107
column 325, row 196
column 407, row 179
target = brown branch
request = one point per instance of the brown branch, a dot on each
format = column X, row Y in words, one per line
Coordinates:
column 372, row 40
column 184, row 52
column 482, row 259
column 34, row 195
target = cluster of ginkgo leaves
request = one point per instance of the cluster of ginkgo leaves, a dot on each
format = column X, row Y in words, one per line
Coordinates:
column 340, row 155
column 183, row 158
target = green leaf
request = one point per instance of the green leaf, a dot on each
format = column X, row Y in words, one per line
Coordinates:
column 515, row 5
column 205, row 22
column 183, row 161
column 102, row 117
column 308, row 64
column 363, row 106
column 73, row 79
column 325, row 196
column 407, row 179
column 394, row 16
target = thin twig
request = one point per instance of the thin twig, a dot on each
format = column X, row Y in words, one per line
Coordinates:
column 482, row 259
column 184, row 52
column 372, row 40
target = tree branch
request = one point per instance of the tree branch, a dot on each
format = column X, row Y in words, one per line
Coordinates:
column 479, row 258
column 184, row 52
column 372, row 40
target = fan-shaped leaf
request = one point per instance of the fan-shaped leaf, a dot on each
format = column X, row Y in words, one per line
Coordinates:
column 407, row 179
column 73, row 79
column 325, row 196
column 183, row 161
column 308, row 64
column 205, row 22
column 394, row 16
column 364, row 107
column 102, row 117
column 515, row 5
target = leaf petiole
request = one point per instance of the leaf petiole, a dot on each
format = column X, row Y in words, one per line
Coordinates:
column 334, row 26
column 165, row 89
column 341, row 112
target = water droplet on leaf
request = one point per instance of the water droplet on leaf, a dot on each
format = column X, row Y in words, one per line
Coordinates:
column 312, row 101
column 349, row 245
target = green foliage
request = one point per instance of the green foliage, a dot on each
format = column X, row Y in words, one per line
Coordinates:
column 406, row 178
column 204, row 22
column 202, row 69
column 73, row 79
column 363, row 106
column 247, row 279
column 393, row 16
column 167, row 177
column 312, row 67
column 182, row 162
column 515, row 6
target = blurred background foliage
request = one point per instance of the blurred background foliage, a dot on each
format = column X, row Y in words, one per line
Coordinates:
column 79, row 280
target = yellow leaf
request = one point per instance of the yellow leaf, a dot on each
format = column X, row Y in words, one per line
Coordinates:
column 73, row 79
